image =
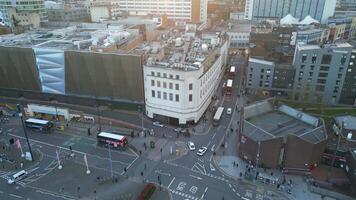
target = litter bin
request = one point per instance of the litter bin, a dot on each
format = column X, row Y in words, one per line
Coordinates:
column 152, row 144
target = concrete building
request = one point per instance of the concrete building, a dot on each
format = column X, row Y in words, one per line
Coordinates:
column 281, row 137
column 187, row 10
column 346, row 123
column 348, row 93
column 53, row 64
column 24, row 18
column 350, row 167
column 239, row 35
column 181, row 75
column 29, row 6
column 68, row 14
column 320, row 10
column 102, row 11
column 320, row 72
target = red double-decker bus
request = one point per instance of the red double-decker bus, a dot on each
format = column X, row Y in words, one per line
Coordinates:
column 114, row 140
column 228, row 88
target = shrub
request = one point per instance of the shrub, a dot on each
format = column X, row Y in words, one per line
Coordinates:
column 147, row 192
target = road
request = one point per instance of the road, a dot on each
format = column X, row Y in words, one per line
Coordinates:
column 187, row 177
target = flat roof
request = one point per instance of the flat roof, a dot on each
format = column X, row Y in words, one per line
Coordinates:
column 349, row 121
column 276, row 124
column 111, row 135
column 260, row 61
column 229, row 83
column 39, row 121
column 232, row 69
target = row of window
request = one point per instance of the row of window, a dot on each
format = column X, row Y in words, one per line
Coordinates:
column 170, row 85
column 168, row 96
column 326, row 59
column 164, row 75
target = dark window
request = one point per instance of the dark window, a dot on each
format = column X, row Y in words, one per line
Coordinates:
column 190, row 97
column 326, row 59
column 324, row 68
column 323, row 74
column 304, row 58
column 314, row 58
column 343, row 60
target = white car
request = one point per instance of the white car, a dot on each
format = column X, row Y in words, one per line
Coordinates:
column 202, row 151
column 191, row 146
column 229, row 111
column 158, row 124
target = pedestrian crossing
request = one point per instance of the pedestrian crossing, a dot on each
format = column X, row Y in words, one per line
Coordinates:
column 182, row 194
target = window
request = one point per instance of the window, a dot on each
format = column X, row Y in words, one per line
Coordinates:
column 152, row 82
column 326, row 59
column 268, row 71
column 153, row 93
column 170, row 96
column 164, row 84
column 262, row 70
column 349, row 70
column 177, row 97
column 323, row 74
column 314, row 58
column 190, row 98
column 302, row 67
column 304, row 58
column 158, row 83
column 251, row 69
column 177, row 86
column 177, row 77
column 158, row 74
column 320, row 88
column 343, row 60
column 324, row 68
column 165, row 95
column 164, row 75
column 261, row 77
column 322, row 81
column 312, row 67
column 310, row 74
column 171, row 76
column 159, row 94
column 152, row 73
column 170, row 85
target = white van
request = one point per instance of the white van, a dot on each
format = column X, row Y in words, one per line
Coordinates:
column 18, row 176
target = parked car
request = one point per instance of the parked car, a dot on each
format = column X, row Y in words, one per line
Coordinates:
column 158, row 124
column 202, row 151
column 191, row 146
column 229, row 111
column 180, row 130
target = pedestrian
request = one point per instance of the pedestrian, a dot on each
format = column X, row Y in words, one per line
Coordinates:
column 140, row 152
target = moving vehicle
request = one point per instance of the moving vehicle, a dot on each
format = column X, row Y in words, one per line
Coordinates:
column 16, row 177
column 202, row 151
column 228, row 88
column 180, row 130
column 115, row 140
column 42, row 125
column 191, row 146
column 229, row 111
column 158, row 124
column 232, row 72
column 217, row 116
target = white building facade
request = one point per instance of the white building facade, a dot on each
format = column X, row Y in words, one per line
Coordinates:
column 182, row 94
column 187, row 10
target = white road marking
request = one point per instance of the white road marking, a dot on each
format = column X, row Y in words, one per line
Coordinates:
column 214, row 135
column 171, row 182
column 244, row 198
column 193, row 189
column 17, row 196
column 212, row 148
column 197, row 177
column 202, row 196
column 212, row 167
column 181, row 186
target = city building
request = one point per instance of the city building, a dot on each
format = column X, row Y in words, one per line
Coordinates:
column 24, row 18
column 346, row 123
column 350, row 167
column 102, row 11
column 348, row 92
column 280, row 136
column 320, row 72
column 27, row 6
column 320, row 10
column 65, row 13
column 181, row 74
column 74, row 64
column 345, row 8
column 239, row 35
column 187, row 10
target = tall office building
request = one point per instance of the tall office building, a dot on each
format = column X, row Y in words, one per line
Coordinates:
column 188, row 10
column 320, row 10
column 36, row 6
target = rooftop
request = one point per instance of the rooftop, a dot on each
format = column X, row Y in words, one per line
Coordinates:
column 331, row 46
column 183, row 50
column 349, row 121
column 80, row 37
column 283, row 122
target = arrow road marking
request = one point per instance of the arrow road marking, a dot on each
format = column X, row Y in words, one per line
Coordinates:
column 197, row 177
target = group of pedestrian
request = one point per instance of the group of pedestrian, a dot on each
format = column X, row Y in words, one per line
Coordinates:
column 235, row 164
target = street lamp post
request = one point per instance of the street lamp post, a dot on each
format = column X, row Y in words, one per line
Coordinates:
column 257, row 157
column 98, row 114
column 339, row 132
column 25, row 131
column 110, row 160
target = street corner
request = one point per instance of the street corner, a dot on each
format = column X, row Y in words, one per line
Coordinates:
column 14, row 157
